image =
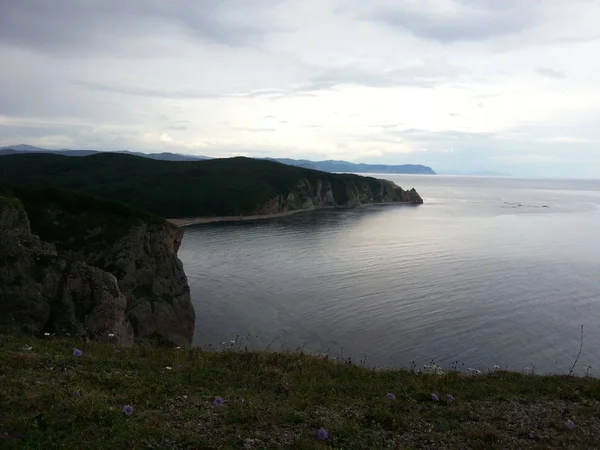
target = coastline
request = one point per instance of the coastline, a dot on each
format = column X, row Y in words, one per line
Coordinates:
column 211, row 219
column 184, row 222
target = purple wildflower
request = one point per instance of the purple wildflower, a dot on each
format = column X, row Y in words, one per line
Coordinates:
column 117, row 351
column 218, row 401
column 77, row 352
column 322, row 434
column 570, row 424
column 76, row 394
column 390, row 396
column 451, row 398
column 128, row 410
column 435, row 398
column 179, row 366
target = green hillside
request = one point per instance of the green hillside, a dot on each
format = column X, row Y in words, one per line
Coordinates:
column 218, row 187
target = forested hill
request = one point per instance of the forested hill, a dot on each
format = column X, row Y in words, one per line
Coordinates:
column 217, row 187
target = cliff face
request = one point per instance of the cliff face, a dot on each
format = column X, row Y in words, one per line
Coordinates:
column 67, row 266
column 333, row 192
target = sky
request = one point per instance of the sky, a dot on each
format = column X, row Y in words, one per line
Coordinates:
column 510, row 86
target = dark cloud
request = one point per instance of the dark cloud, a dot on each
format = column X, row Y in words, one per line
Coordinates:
column 456, row 21
column 550, row 73
column 90, row 26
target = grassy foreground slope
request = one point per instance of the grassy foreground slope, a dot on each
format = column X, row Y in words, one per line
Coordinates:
column 51, row 399
column 219, row 187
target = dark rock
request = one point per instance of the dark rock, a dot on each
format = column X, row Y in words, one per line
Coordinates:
column 122, row 278
column 318, row 193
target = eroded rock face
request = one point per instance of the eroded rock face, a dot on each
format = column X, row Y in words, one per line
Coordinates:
column 322, row 194
column 153, row 281
column 127, row 282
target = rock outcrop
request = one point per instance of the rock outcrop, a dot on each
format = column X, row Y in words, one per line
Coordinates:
column 71, row 263
column 333, row 192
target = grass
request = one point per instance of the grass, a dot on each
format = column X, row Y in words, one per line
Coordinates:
column 273, row 400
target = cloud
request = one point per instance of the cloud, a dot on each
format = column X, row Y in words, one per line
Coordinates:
column 77, row 28
column 177, row 93
column 452, row 21
column 454, row 84
column 564, row 140
column 550, row 73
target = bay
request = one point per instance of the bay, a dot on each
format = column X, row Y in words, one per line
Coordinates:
column 488, row 271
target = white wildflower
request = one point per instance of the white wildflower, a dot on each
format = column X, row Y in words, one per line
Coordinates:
column 168, row 368
column 46, row 334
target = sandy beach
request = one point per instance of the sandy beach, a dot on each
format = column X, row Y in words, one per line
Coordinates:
column 200, row 220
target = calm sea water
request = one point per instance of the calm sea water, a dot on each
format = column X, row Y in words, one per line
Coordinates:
column 489, row 271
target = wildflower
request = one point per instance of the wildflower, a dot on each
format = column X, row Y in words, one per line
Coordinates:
column 128, row 410
column 322, row 434
column 177, row 348
column 27, row 348
column 46, row 334
column 179, row 366
column 117, row 351
column 111, row 334
column 168, row 367
column 570, row 424
column 496, row 366
column 76, row 394
column 218, row 401
column 435, row 398
column 68, row 334
column 390, row 396
column 450, row 397
column 77, row 352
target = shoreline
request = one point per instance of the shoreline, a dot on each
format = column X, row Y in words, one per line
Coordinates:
column 184, row 222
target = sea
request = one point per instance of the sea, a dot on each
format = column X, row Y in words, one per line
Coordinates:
column 488, row 273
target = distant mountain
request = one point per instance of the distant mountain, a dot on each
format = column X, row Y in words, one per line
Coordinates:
column 165, row 156
column 345, row 166
column 325, row 166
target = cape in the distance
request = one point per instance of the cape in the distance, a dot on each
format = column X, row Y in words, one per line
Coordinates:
column 325, row 166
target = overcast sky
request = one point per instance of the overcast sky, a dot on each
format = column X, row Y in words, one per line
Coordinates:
column 504, row 85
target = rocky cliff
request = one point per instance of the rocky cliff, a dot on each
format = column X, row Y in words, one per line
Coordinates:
column 333, row 191
column 72, row 263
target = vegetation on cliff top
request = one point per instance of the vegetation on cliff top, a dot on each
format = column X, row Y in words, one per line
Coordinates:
column 72, row 219
column 219, row 187
column 146, row 398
